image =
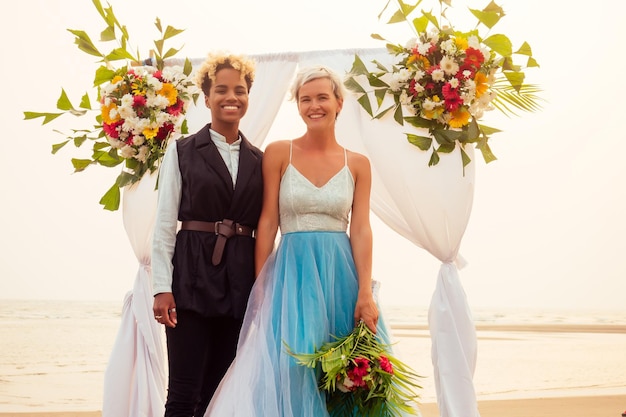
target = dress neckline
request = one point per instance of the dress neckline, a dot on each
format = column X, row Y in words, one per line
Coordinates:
column 319, row 187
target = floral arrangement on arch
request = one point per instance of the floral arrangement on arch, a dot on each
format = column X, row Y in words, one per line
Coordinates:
column 359, row 373
column 443, row 80
column 141, row 106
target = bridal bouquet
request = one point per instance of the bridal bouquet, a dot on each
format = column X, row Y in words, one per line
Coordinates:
column 443, row 80
column 359, row 373
column 141, row 105
column 142, row 108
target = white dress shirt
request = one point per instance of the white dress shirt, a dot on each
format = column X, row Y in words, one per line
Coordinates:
column 166, row 223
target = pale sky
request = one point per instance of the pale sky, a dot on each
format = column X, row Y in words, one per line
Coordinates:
column 547, row 227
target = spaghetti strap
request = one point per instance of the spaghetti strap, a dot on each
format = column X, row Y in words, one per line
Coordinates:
column 290, row 150
column 345, row 156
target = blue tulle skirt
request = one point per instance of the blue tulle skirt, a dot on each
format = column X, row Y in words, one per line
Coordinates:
column 306, row 292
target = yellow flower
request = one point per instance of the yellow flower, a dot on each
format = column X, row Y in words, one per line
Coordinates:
column 460, row 117
column 481, row 84
column 435, row 112
column 425, row 62
column 138, row 89
column 150, row 132
column 116, row 79
column 106, row 113
column 461, row 43
column 168, row 91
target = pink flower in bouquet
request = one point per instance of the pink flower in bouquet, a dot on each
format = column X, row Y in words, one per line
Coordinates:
column 385, row 364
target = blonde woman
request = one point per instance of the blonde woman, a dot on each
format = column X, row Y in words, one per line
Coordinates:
column 211, row 183
column 317, row 282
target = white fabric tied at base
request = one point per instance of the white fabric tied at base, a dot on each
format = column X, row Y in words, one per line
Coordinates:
column 135, row 378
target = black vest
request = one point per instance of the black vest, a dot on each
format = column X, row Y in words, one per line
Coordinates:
column 207, row 195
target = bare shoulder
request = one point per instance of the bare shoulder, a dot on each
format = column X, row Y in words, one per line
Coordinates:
column 358, row 162
column 278, row 149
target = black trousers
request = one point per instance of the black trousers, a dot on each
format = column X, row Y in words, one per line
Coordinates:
column 200, row 350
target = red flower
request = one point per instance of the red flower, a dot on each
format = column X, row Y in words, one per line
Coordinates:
column 177, row 108
column 111, row 129
column 158, row 75
column 164, row 131
column 385, row 365
column 473, row 58
column 361, row 366
column 139, row 101
column 451, row 96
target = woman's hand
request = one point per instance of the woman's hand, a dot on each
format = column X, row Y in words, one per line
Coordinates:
column 366, row 310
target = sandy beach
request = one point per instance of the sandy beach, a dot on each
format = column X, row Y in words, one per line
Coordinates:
column 529, row 364
column 590, row 406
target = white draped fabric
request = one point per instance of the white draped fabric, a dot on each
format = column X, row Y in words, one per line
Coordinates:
column 135, row 378
column 429, row 206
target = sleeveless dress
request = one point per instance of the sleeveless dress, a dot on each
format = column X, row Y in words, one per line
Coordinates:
column 306, row 292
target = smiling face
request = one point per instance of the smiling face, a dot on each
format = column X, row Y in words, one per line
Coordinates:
column 228, row 98
column 318, row 104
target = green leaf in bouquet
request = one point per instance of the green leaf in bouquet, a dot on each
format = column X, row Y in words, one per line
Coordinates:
column 484, row 148
column 56, row 147
column 397, row 115
column 85, row 102
column 79, row 140
column 422, row 142
column 364, row 101
column 47, row 117
column 170, row 53
column 81, row 164
column 111, row 199
column 500, row 44
column 84, row 43
column 434, row 158
column 119, row 54
column 486, row 17
column 171, row 32
column 103, row 75
column 352, row 85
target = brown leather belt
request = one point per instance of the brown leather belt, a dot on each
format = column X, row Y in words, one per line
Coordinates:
column 224, row 230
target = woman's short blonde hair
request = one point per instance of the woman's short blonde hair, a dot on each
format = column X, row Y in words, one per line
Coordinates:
column 205, row 76
column 313, row 73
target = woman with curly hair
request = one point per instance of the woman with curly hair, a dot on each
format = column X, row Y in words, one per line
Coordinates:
column 210, row 183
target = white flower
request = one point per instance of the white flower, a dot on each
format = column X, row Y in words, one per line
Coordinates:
column 411, row 43
column 418, row 88
column 127, row 152
column 142, row 155
column 346, row 384
column 156, row 101
column 117, row 144
column 126, row 109
column 430, row 105
column 139, row 140
column 449, row 65
column 154, row 83
column 405, row 100
column 438, row 75
column 473, row 42
column 423, row 48
column 454, row 82
column 419, row 74
column 399, row 79
column 448, row 46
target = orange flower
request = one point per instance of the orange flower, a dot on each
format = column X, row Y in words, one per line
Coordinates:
column 106, row 113
column 169, row 91
column 481, row 84
column 460, row 117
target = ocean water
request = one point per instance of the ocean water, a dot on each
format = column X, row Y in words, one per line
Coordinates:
column 53, row 353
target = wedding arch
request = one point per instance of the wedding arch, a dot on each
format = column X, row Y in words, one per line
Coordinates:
column 429, row 206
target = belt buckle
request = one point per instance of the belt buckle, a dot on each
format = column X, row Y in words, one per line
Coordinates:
column 217, row 227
